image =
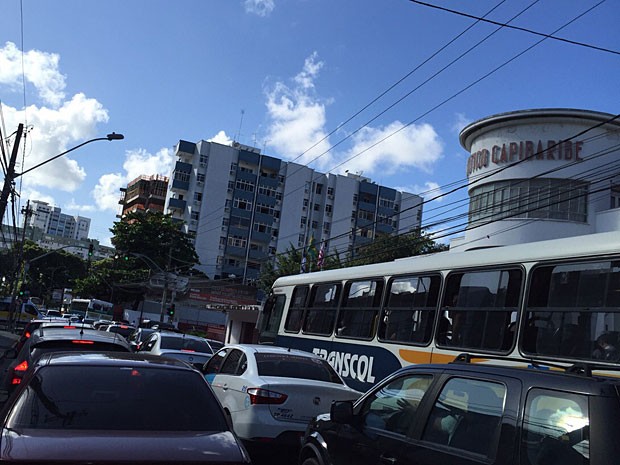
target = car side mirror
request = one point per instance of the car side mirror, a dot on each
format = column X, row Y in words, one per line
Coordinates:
column 342, row 412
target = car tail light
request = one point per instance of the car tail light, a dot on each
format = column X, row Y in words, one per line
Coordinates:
column 263, row 396
column 27, row 334
column 80, row 341
column 69, row 327
column 187, row 350
column 22, row 366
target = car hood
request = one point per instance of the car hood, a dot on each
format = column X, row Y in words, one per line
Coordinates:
column 71, row 446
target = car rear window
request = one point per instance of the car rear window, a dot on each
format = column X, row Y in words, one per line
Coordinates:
column 117, row 398
column 296, row 366
column 124, row 331
column 78, row 345
column 183, row 343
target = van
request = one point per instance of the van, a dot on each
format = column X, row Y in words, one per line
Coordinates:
column 25, row 310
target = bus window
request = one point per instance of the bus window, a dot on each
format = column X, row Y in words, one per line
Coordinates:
column 573, row 311
column 296, row 309
column 480, row 309
column 270, row 318
column 321, row 313
column 360, row 309
column 410, row 309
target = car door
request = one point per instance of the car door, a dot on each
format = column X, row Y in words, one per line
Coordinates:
column 471, row 421
column 383, row 420
column 231, row 383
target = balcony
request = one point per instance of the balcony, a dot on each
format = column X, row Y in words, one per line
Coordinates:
column 178, row 204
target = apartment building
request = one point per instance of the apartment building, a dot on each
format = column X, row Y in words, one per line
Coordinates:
column 52, row 221
column 242, row 207
column 145, row 193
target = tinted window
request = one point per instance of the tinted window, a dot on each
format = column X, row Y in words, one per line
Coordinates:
column 116, row 398
column 296, row 309
column 573, row 310
column 70, row 346
column 122, row 330
column 185, row 343
column 480, row 310
column 321, row 314
column 410, row 309
column 394, row 406
column 467, row 416
column 232, row 362
column 213, row 365
column 555, row 429
column 295, row 366
column 360, row 309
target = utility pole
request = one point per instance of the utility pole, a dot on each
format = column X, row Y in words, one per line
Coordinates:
column 9, row 176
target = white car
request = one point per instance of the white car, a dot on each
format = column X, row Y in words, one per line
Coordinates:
column 272, row 393
column 191, row 349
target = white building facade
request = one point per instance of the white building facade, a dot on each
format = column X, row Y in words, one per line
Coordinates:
column 541, row 174
column 242, row 208
column 52, row 221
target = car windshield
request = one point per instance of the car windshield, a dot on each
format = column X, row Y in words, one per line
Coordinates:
column 295, row 366
column 185, row 343
column 117, row 398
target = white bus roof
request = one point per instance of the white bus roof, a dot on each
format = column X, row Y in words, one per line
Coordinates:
column 571, row 247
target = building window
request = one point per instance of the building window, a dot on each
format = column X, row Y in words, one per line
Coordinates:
column 303, row 222
column 242, row 204
column 319, row 189
column 558, row 199
column 194, row 215
column 244, row 185
column 328, row 210
column 330, row 191
column 198, row 196
column 315, row 224
column 237, row 241
column 262, row 228
column 317, row 207
column 203, row 159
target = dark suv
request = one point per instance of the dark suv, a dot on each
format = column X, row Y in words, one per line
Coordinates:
column 466, row 413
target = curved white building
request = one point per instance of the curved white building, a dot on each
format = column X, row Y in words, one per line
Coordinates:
column 541, row 174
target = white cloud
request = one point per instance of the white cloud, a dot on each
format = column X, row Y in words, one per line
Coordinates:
column 137, row 163
column 52, row 132
column 259, row 7
column 393, row 148
column 460, row 122
column 39, row 69
column 221, row 138
column 298, row 118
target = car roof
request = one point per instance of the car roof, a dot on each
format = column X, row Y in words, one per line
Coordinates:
column 124, row 359
column 54, row 334
column 532, row 375
column 269, row 349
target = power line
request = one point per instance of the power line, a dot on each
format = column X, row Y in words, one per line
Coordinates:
column 529, row 31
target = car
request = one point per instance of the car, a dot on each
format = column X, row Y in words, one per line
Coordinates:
column 137, row 338
column 472, row 413
column 55, row 339
column 116, row 408
column 190, row 349
column 123, row 329
column 53, row 314
column 272, row 393
column 31, row 326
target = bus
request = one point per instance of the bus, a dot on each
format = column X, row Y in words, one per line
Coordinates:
column 555, row 300
column 92, row 309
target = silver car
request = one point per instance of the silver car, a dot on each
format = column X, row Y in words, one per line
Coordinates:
column 272, row 393
column 191, row 349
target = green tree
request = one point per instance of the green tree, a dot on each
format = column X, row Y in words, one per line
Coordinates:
column 146, row 243
column 386, row 248
column 155, row 237
column 289, row 263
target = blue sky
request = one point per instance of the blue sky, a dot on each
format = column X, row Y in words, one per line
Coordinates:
column 284, row 76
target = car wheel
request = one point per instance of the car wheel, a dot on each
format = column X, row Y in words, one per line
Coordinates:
column 310, row 461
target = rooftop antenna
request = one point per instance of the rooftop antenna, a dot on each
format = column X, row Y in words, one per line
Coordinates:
column 240, row 124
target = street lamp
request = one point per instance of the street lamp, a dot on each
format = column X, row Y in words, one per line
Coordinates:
column 11, row 175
